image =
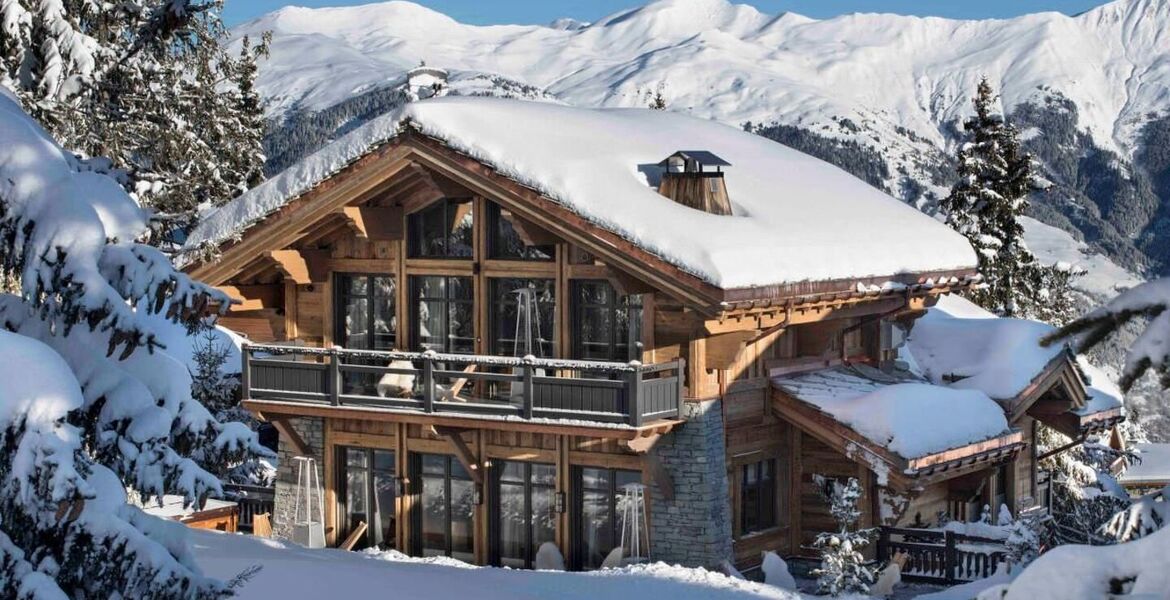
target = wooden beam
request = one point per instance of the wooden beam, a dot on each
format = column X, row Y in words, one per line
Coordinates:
column 356, row 221
column 253, row 297
column 724, row 349
column 286, row 431
column 462, row 451
column 376, row 223
column 354, row 536
column 293, row 265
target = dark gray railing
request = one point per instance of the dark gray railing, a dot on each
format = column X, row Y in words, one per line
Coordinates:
column 941, row 556
column 253, row 500
column 528, row 388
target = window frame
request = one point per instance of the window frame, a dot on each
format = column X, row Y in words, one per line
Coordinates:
column 528, row 485
column 577, row 516
column 341, row 295
column 415, row 225
column 495, row 220
column 614, row 303
column 494, row 309
column 762, row 499
column 341, row 458
column 414, row 299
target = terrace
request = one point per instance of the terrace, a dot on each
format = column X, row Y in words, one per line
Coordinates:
column 492, row 387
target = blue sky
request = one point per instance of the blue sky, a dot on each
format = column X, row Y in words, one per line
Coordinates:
column 484, row 12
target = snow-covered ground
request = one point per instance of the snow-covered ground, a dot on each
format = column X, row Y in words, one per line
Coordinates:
column 292, row 572
column 1103, row 278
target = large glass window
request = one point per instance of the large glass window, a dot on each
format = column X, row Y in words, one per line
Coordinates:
column 444, row 520
column 524, row 509
column 606, row 326
column 512, row 301
column 442, row 314
column 442, row 230
column 365, row 312
column 757, row 498
column 366, row 492
column 600, row 512
column 506, row 241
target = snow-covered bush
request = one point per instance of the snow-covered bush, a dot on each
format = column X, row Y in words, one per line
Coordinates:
column 1085, row 494
column 1026, row 539
column 843, row 568
column 86, row 291
column 1142, row 517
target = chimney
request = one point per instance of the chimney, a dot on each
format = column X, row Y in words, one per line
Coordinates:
column 424, row 82
column 694, row 178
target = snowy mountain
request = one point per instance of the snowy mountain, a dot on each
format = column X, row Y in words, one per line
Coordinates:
column 878, row 94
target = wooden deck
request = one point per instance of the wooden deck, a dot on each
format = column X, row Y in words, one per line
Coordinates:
column 489, row 387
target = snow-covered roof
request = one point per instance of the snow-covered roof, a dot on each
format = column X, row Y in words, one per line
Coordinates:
column 965, row 347
column 1154, row 467
column 795, row 218
column 911, row 418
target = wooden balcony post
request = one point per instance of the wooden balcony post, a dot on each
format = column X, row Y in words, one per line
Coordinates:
column 529, row 391
column 428, row 385
column 245, row 372
column 634, row 395
column 681, row 371
column 334, row 378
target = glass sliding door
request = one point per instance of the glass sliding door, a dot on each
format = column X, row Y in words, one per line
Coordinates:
column 365, row 319
column 367, row 489
column 523, row 511
column 445, row 517
column 442, row 314
column 599, row 516
column 606, row 326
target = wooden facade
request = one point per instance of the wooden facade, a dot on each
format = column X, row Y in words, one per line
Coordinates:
column 285, row 272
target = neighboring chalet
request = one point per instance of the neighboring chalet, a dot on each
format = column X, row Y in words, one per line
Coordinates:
column 485, row 317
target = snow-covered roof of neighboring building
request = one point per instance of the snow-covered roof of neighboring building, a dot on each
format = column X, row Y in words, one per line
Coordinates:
column 795, row 218
column 912, row 418
column 965, row 347
column 1154, row 467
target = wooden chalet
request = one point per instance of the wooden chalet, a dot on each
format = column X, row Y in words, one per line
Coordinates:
column 481, row 366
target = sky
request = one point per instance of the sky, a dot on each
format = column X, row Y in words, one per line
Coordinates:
column 491, row 12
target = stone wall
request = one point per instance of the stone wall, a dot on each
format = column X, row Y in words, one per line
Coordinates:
column 312, row 430
column 694, row 529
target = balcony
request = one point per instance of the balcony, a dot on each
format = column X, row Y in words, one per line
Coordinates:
column 629, row 394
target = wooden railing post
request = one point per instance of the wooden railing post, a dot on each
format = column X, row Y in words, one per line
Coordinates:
column 883, row 544
column 334, row 378
column 428, row 384
column 634, row 395
column 529, row 392
column 950, row 558
column 246, row 372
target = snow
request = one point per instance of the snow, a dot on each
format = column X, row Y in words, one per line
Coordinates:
column 731, row 62
column 796, row 218
column 911, row 419
column 290, row 571
column 1051, row 245
column 1103, row 393
column 1075, row 572
column 996, row 356
column 1154, row 467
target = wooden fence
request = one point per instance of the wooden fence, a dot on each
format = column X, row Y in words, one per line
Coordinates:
column 941, row 556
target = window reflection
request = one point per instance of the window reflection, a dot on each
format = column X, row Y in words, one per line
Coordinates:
column 442, row 230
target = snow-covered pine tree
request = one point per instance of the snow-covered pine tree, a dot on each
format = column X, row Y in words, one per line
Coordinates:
column 1085, row 494
column 147, row 84
column 995, row 177
column 115, row 410
column 1150, row 351
column 843, row 569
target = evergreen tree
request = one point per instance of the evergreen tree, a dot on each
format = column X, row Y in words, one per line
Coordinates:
column 1150, row 351
column 995, row 178
column 104, row 407
column 147, row 84
column 843, row 567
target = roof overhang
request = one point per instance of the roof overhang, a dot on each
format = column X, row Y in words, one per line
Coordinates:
column 356, row 183
column 901, row 473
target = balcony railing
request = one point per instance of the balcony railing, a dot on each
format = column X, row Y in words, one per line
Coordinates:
column 491, row 386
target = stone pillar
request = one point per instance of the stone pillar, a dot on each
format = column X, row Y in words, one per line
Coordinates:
column 312, row 430
column 694, row 529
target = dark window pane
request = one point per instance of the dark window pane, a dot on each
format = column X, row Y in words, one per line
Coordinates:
column 434, row 516
column 365, row 314
column 434, row 464
column 510, row 300
column 606, row 326
column 442, row 230
column 462, row 516
column 758, row 496
column 444, row 315
column 506, row 241
column 603, row 501
column 512, row 525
